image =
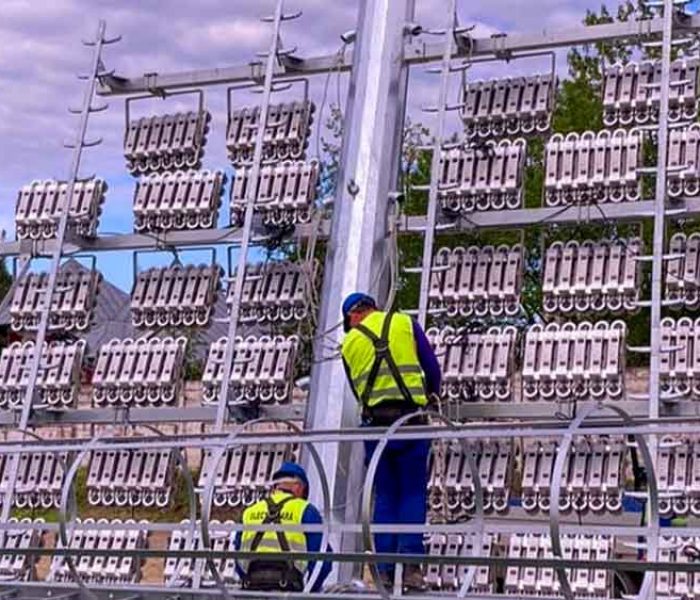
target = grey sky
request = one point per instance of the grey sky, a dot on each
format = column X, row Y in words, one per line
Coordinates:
column 40, row 52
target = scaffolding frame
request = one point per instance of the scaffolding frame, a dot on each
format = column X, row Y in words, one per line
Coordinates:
column 647, row 417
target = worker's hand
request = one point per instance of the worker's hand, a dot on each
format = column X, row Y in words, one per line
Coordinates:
column 433, row 400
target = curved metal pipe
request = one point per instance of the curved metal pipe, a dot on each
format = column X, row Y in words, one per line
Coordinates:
column 68, row 495
column 554, row 513
column 368, row 489
column 208, row 494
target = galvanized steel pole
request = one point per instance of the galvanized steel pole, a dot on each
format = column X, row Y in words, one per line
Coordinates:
column 229, row 351
column 439, row 134
column 73, row 174
column 657, row 265
column 356, row 253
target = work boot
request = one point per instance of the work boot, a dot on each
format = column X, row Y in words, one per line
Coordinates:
column 413, row 578
column 386, row 577
column 388, row 580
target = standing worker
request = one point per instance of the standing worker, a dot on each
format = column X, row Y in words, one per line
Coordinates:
column 393, row 371
column 286, row 505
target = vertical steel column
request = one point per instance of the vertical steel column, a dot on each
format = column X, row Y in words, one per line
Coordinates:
column 657, row 265
column 73, row 174
column 368, row 174
column 427, row 264
column 248, row 219
column 660, row 214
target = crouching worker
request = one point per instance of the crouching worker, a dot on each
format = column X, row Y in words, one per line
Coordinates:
column 287, row 504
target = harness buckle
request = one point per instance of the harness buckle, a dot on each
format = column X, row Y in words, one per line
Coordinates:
column 381, row 348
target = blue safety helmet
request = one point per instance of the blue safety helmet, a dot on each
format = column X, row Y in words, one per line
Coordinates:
column 692, row 8
column 355, row 299
column 293, row 471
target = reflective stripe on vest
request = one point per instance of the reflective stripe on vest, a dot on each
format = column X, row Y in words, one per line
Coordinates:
column 291, row 514
column 359, row 354
column 385, row 371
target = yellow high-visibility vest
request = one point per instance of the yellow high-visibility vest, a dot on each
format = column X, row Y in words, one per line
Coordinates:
column 290, row 512
column 384, row 345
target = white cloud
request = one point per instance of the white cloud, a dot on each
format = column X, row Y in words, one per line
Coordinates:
column 243, row 33
column 40, row 52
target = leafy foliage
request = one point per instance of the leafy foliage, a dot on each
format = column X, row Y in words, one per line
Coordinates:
column 5, row 283
column 579, row 108
column 5, row 279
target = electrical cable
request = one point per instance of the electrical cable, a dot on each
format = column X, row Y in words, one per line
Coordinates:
column 340, row 60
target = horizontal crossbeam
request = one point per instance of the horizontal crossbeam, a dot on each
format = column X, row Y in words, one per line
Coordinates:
column 418, row 52
column 164, row 415
column 630, row 211
column 137, row 241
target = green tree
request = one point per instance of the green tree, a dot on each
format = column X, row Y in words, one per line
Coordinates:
column 5, row 279
column 579, row 108
column 5, row 283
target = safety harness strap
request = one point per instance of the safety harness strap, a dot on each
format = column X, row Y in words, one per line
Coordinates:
column 289, row 575
column 382, row 353
column 274, row 514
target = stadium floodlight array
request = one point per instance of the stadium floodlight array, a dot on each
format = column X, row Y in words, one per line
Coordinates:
column 475, row 366
column 130, row 478
column 477, row 281
column 593, row 167
column 592, row 276
column 40, row 204
column 675, row 583
column 286, row 133
column 683, row 161
column 180, row 572
column 19, row 567
column 680, row 358
column 263, row 369
column 40, row 477
column 58, row 379
column 72, row 303
column 177, row 201
column 275, row 291
column 482, row 177
column 285, row 194
column 139, row 372
column 166, row 142
column 632, row 94
column 574, row 361
column 180, row 295
column 451, row 484
column 103, row 568
column 243, row 476
column 542, row 581
column 448, row 577
column 678, row 475
column 508, row 106
column 592, row 478
column 683, row 269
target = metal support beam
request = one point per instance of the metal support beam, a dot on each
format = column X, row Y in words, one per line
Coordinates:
column 436, row 162
column 162, row 415
column 541, row 428
column 356, row 253
column 525, row 217
column 223, row 401
column 78, row 145
column 657, row 265
column 538, row 217
column 417, row 52
column 161, row 241
column 504, row 45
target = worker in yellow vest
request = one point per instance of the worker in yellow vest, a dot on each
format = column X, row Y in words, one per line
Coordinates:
column 392, row 371
column 287, row 504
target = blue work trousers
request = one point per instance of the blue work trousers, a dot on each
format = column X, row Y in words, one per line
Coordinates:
column 401, row 489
